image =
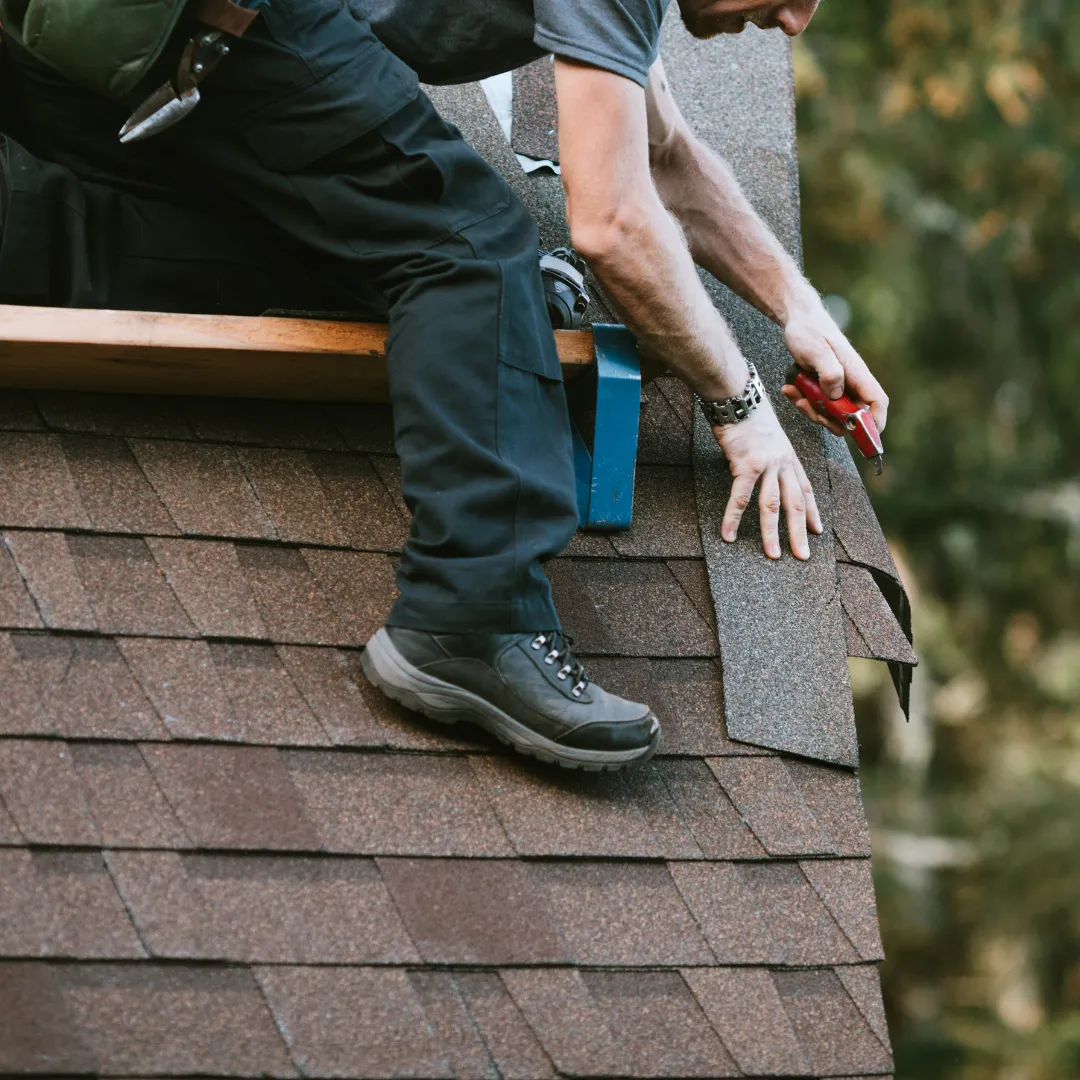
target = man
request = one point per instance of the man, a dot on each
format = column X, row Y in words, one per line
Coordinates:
column 314, row 166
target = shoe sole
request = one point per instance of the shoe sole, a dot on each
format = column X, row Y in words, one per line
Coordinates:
column 446, row 703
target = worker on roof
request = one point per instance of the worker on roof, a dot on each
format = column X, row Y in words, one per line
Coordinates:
column 316, row 174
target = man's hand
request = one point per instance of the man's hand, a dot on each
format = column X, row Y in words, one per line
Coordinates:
column 757, row 450
column 819, row 345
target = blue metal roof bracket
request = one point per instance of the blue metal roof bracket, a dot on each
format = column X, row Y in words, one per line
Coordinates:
column 605, row 478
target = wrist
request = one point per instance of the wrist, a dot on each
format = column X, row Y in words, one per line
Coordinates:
column 801, row 300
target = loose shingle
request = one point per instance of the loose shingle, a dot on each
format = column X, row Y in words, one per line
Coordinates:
column 46, row 564
column 847, row 889
column 360, row 588
column 62, row 904
column 665, row 521
column 37, row 1034
column 620, row 914
column 396, row 804
column 832, row 1032
column 708, row 813
column 266, row 706
column 29, row 662
column 509, row 1040
column 262, row 909
column 113, row 489
column 127, row 591
column 772, row 805
column 761, row 913
column 232, row 797
column 124, row 799
column 353, row 1022
column 203, row 488
column 835, row 801
column 138, row 415
column 42, row 792
column 448, row 1014
column 747, row 1013
column 207, row 579
column 655, row 1016
column 572, row 1028
column 854, row 521
column 38, row 492
column 478, row 911
column 173, row 1021
column 292, row 605
column 366, row 514
column 873, row 618
column 603, row 603
column 863, row 983
column 17, row 609
column 181, row 680
column 290, row 492
column 546, row 814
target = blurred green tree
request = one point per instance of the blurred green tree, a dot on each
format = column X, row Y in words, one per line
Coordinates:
column 940, row 150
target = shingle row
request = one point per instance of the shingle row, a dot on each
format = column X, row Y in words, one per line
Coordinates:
column 155, row 795
column 520, row 1024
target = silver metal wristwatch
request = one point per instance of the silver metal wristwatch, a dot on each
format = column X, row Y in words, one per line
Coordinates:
column 734, row 409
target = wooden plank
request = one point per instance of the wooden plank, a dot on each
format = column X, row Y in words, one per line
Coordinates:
column 208, row 355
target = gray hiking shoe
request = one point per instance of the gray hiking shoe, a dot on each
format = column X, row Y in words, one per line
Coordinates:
column 526, row 689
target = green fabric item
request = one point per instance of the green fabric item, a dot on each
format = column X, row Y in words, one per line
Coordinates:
column 104, row 45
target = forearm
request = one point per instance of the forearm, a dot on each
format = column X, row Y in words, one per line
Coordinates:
column 724, row 232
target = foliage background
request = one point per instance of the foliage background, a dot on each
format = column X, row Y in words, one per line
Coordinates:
column 940, row 149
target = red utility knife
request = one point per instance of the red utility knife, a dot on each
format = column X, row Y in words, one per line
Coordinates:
column 856, row 418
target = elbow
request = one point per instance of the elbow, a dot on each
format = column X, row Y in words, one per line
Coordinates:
column 604, row 237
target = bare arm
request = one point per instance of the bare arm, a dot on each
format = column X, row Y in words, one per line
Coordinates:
column 637, row 250
column 727, row 238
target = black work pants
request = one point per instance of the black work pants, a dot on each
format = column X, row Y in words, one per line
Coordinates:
column 315, row 174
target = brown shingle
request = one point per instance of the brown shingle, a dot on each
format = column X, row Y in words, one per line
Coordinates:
column 570, row 1025
column 139, row 415
column 360, row 588
column 127, row 591
column 604, row 603
column 665, row 521
column 62, row 904
column 650, row 792
column 865, row 605
column 113, row 489
column 18, row 412
column 17, row 609
column 546, row 814
column 232, row 797
column 181, row 680
column 847, row 889
column 708, row 813
column 9, row 834
column 366, row 514
column 772, row 805
column 693, row 576
column 262, row 909
column 654, row 1016
column 261, row 422
column 447, row 1013
column 20, row 703
column 863, row 984
column 834, row 799
column 266, row 706
column 42, row 792
column 291, row 603
column 833, row 1034
column 535, row 122
column 290, row 492
column 396, row 804
column 207, row 579
column 124, row 799
column 50, row 572
column 368, row 428
column 96, row 695
column 621, row 914
column 481, row 911
column 761, row 913
column 173, row 1021
column 747, row 1013
column 38, row 492
column 37, row 1034
column 203, row 488
column 353, row 1022
column 389, row 471
column 663, row 438
column 510, row 1040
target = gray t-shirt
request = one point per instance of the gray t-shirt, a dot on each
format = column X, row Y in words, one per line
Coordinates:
column 452, row 41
